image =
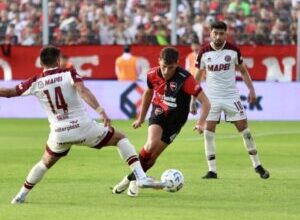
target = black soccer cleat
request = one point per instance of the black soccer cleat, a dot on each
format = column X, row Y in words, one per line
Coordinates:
column 264, row 174
column 210, row 175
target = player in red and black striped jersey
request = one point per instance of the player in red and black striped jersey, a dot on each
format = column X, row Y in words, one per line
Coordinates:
column 169, row 91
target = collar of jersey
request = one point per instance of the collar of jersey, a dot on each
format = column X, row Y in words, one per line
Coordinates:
column 45, row 70
column 212, row 46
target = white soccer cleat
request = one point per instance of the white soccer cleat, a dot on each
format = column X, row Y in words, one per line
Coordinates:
column 133, row 189
column 121, row 186
column 19, row 199
column 149, row 182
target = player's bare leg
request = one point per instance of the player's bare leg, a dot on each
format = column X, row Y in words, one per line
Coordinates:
column 210, row 149
column 35, row 175
column 242, row 127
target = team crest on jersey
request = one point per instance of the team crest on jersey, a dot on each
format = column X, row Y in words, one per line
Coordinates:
column 40, row 85
column 227, row 58
column 173, row 86
column 158, row 111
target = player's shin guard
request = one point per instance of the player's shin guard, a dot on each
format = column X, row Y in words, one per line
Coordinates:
column 128, row 154
column 145, row 160
column 35, row 175
column 251, row 147
column 210, row 150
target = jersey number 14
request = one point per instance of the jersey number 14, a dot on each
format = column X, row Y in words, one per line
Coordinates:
column 60, row 102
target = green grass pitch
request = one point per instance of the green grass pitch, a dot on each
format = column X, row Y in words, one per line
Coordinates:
column 77, row 187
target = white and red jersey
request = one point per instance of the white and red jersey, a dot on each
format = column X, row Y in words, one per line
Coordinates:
column 220, row 70
column 55, row 90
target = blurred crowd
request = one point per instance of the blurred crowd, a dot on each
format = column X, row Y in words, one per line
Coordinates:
column 108, row 22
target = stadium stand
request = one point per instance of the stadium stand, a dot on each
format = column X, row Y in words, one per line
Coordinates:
column 108, row 22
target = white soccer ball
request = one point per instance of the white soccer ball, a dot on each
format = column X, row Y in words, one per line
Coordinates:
column 173, row 180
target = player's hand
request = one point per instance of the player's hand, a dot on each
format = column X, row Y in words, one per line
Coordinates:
column 136, row 124
column 199, row 127
column 193, row 107
column 252, row 97
column 106, row 119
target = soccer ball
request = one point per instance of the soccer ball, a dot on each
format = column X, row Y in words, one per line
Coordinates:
column 173, row 180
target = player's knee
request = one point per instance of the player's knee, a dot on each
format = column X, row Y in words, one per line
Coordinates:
column 152, row 144
column 117, row 137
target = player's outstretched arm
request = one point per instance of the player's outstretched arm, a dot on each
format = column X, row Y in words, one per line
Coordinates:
column 146, row 101
column 205, row 107
column 8, row 92
column 91, row 100
column 248, row 81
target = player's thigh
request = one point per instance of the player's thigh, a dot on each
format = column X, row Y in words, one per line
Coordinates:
column 234, row 110
column 215, row 110
column 96, row 135
column 49, row 159
column 58, row 145
column 154, row 143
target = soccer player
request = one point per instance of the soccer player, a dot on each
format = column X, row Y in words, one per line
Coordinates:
column 60, row 92
column 170, row 88
column 219, row 59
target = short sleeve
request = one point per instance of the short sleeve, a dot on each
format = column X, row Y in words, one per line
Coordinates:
column 24, row 88
column 149, row 84
column 239, row 56
column 191, row 86
column 75, row 76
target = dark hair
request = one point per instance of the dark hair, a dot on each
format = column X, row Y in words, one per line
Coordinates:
column 218, row 25
column 127, row 48
column 169, row 55
column 49, row 55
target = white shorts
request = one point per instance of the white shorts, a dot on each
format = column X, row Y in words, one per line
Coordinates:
column 232, row 108
column 91, row 134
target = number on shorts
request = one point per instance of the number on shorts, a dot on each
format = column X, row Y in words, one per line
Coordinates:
column 238, row 106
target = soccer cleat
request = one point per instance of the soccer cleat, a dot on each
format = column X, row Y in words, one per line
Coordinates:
column 210, row 175
column 149, row 182
column 264, row 174
column 121, row 186
column 19, row 199
column 133, row 189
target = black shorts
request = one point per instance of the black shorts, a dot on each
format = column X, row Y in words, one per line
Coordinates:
column 170, row 123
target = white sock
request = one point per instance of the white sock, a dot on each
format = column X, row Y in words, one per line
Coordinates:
column 35, row 175
column 128, row 154
column 210, row 150
column 251, row 147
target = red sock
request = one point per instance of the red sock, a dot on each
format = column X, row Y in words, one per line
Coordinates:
column 145, row 159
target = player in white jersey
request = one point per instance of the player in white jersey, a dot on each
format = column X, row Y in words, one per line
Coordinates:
column 219, row 59
column 60, row 92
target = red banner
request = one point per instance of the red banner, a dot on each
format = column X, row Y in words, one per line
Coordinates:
column 271, row 63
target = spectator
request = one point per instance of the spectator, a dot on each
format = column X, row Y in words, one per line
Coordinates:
column 190, row 59
column 127, row 66
column 119, row 22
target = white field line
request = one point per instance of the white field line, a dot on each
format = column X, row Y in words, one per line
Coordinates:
column 235, row 136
